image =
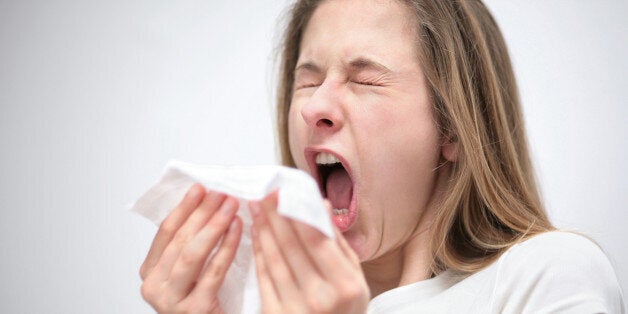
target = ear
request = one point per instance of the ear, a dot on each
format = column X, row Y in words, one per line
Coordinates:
column 449, row 148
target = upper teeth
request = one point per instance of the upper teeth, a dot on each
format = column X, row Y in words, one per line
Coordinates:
column 326, row 159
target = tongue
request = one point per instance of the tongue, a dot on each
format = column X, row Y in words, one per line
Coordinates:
column 339, row 188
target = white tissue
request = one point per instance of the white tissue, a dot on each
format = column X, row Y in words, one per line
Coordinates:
column 299, row 198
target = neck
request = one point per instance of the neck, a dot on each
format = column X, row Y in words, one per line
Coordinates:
column 410, row 262
column 401, row 266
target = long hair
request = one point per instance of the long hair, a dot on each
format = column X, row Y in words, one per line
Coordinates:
column 492, row 200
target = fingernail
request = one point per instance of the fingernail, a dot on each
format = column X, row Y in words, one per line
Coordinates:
column 194, row 191
column 229, row 206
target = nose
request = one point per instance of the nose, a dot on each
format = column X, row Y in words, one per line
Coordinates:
column 323, row 111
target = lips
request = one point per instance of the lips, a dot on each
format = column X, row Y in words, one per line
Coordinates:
column 335, row 180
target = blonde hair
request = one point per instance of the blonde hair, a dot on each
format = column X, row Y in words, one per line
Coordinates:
column 492, row 201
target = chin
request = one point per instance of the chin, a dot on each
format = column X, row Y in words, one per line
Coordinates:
column 359, row 243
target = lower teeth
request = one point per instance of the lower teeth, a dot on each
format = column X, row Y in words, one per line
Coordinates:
column 342, row 211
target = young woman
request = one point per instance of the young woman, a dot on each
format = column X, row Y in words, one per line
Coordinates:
column 407, row 114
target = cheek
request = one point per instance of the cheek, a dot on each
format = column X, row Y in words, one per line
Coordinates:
column 296, row 135
column 409, row 136
column 409, row 152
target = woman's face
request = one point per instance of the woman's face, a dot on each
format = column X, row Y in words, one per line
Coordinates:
column 360, row 96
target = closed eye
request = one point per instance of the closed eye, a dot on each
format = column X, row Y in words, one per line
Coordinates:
column 307, row 86
column 363, row 83
column 367, row 83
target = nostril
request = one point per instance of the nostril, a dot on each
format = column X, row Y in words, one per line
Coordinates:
column 326, row 122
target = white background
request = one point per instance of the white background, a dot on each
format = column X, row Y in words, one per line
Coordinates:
column 95, row 98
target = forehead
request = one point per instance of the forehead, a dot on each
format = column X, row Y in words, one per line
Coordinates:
column 384, row 29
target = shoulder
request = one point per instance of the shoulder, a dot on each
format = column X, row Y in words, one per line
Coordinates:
column 554, row 272
column 557, row 246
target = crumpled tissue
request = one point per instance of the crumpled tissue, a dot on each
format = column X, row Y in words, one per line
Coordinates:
column 299, row 198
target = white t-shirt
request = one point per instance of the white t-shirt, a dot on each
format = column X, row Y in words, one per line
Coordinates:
column 554, row 272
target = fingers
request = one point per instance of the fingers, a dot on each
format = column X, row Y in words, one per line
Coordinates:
column 170, row 225
column 278, row 269
column 195, row 252
column 346, row 248
column 181, row 274
column 268, row 295
column 340, row 240
column 299, row 269
column 304, row 248
column 325, row 252
column 214, row 274
column 210, row 204
column 287, row 239
column 320, row 254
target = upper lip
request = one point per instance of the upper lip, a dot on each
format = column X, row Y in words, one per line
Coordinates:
column 310, row 157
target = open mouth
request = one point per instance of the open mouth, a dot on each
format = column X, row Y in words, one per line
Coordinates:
column 337, row 186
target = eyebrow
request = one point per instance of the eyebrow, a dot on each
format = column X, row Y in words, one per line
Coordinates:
column 366, row 63
column 356, row 64
column 308, row 66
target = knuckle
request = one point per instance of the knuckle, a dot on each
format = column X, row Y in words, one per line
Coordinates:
column 143, row 271
column 190, row 256
column 147, row 291
column 218, row 223
column 350, row 293
column 319, row 305
column 216, row 269
column 181, row 238
column 322, row 298
column 352, row 290
column 168, row 227
column 179, row 271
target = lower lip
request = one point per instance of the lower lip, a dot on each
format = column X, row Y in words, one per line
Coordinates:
column 345, row 221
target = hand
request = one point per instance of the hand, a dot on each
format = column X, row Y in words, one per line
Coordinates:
column 300, row 270
column 175, row 276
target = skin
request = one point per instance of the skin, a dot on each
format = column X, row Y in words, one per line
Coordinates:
column 359, row 93
column 173, row 273
column 376, row 112
column 300, row 270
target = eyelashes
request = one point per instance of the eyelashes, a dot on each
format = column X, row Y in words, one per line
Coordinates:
column 307, row 86
column 367, row 83
column 363, row 83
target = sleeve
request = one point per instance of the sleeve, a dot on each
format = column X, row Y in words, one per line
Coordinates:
column 557, row 272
